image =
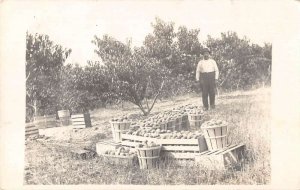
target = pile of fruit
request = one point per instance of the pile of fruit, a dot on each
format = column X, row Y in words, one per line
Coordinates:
column 162, row 118
column 196, row 112
column 146, row 144
column 122, row 151
column 147, row 132
column 167, row 117
column 159, row 121
column 149, row 124
column 181, row 135
column 164, row 134
column 123, row 118
column 214, row 123
column 186, row 108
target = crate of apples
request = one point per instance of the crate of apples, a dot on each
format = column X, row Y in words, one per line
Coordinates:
column 120, row 152
column 121, row 156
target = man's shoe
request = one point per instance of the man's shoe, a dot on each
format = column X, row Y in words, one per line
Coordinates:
column 212, row 107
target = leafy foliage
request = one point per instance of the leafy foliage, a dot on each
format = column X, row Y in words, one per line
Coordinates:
column 44, row 60
column 134, row 76
column 241, row 64
column 178, row 51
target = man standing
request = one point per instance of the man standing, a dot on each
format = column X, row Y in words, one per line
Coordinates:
column 207, row 72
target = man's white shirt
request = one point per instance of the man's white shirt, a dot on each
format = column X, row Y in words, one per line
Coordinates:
column 205, row 66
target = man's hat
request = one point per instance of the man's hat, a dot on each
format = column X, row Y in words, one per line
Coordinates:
column 205, row 50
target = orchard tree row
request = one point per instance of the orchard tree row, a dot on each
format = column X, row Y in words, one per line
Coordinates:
column 163, row 67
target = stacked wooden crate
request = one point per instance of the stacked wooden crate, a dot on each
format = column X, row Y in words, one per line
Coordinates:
column 31, row 130
column 173, row 148
column 81, row 120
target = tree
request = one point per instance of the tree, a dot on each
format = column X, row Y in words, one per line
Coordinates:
column 44, row 60
column 98, row 84
column 73, row 94
column 189, row 50
column 241, row 64
column 134, row 76
column 178, row 51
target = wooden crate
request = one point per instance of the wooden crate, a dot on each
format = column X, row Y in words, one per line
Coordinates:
column 182, row 148
column 231, row 156
column 148, row 157
column 120, row 160
column 105, row 145
column 216, row 136
column 118, row 128
column 31, row 130
column 174, row 148
column 133, row 140
column 80, row 121
column 47, row 121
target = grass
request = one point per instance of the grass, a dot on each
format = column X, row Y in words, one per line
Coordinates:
column 248, row 114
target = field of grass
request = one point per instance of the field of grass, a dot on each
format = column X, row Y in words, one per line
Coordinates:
column 48, row 161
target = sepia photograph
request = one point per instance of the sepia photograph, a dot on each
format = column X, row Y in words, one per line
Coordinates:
column 163, row 93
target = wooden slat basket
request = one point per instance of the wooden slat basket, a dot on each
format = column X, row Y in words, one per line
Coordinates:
column 215, row 136
column 118, row 128
column 148, row 157
column 195, row 120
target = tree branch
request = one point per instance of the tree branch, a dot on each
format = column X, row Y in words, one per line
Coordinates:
column 156, row 96
column 147, row 103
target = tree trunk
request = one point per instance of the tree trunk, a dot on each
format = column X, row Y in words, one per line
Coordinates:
column 36, row 107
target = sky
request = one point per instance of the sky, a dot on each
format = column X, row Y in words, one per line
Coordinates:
column 74, row 23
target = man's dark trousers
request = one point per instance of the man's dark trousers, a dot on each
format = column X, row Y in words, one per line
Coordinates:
column 207, row 82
